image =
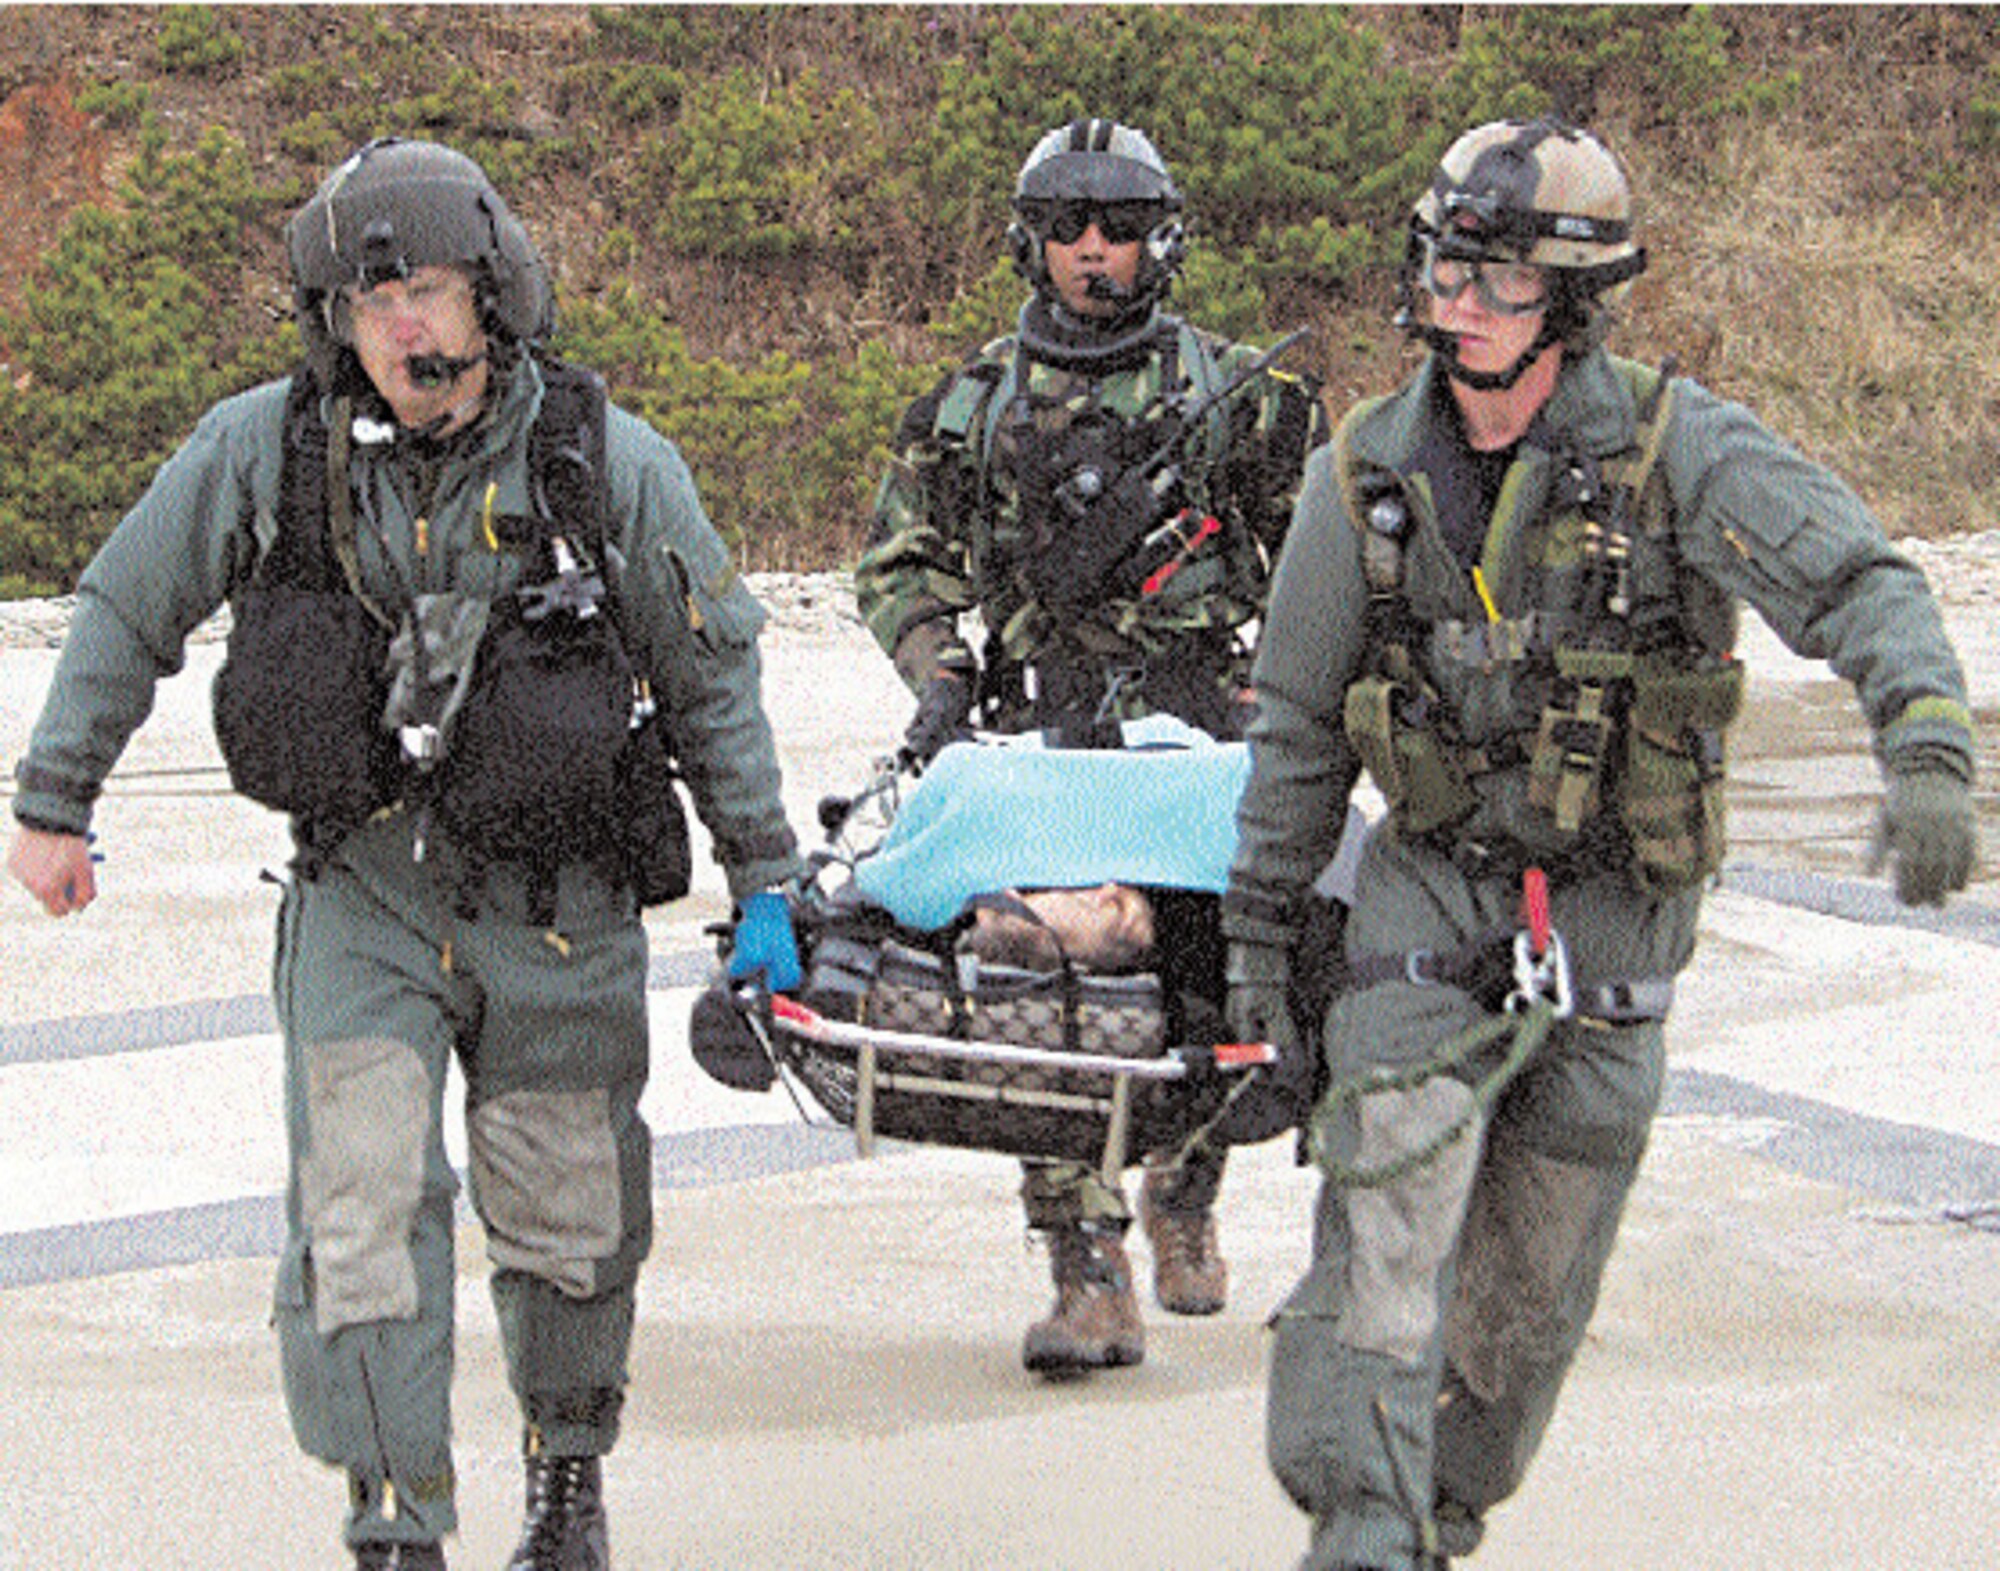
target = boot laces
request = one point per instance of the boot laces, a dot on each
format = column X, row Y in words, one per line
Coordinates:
column 1088, row 1261
column 554, row 1483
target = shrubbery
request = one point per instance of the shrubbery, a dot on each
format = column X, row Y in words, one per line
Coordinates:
column 771, row 226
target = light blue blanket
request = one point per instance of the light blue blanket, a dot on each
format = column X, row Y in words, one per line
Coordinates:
column 1014, row 815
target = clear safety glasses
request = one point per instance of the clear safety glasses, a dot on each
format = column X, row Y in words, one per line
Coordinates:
column 1503, row 288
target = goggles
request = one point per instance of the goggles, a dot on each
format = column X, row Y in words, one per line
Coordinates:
column 1120, row 223
column 1503, row 288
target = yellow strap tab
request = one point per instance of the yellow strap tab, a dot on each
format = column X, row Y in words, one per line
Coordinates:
column 486, row 515
column 1485, row 595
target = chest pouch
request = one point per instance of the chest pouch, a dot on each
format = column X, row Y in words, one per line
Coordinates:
column 1573, row 742
column 1417, row 770
column 532, row 764
column 1090, row 500
column 298, row 704
column 1672, row 800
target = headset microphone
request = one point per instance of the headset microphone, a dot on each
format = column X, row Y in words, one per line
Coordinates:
column 435, row 371
column 1102, row 286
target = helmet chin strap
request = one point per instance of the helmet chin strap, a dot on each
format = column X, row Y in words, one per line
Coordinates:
column 436, row 371
column 1445, row 346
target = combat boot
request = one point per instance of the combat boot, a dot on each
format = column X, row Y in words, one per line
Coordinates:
column 1095, row 1322
column 565, row 1527
column 399, row 1557
column 1190, row 1277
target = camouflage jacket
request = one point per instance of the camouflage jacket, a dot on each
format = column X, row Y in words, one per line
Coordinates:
column 980, row 511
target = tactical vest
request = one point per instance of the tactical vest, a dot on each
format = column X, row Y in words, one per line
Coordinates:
column 1616, row 680
column 1077, row 505
column 556, row 755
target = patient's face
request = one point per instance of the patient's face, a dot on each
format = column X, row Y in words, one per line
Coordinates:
column 1107, row 928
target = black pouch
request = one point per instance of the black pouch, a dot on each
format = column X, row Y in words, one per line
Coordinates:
column 532, row 763
column 652, row 824
column 298, row 704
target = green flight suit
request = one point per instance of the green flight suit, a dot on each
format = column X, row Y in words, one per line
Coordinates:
column 956, row 517
column 388, row 967
column 1417, row 1364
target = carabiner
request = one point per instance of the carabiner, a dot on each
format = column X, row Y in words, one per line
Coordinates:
column 1541, row 978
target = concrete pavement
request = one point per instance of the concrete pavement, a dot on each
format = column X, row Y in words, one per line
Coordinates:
column 1795, row 1366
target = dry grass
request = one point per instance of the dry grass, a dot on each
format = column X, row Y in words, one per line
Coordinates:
column 1867, row 336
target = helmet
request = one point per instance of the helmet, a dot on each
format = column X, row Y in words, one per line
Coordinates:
column 1537, row 192
column 1540, row 192
column 1099, row 162
column 395, row 206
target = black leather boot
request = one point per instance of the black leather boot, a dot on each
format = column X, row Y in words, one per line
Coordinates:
column 565, row 1528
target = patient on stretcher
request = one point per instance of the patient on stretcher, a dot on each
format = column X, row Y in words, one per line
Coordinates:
column 1108, row 927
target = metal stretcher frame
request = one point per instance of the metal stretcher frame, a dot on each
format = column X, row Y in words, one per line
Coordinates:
column 872, row 1043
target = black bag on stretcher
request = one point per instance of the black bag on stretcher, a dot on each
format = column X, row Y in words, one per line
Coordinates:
column 904, row 1030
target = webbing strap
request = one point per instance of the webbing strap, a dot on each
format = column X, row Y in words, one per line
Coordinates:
column 1530, row 1027
column 340, row 506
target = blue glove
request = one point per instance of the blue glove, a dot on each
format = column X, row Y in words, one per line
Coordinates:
column 764, row 944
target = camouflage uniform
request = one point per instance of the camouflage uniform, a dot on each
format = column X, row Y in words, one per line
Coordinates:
column 959, row 530
column 955, row 532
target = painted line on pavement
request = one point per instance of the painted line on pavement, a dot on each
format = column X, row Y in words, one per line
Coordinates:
column 214, row 1019
column 254, row 1226
column 1911, row 1165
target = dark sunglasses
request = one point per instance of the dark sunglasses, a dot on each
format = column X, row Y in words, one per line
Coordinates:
column 1119, row 222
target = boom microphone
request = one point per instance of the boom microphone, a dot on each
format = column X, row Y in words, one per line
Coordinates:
column 1102, row 286
column 439, row 370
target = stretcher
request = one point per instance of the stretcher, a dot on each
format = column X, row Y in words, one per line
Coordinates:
column 897, row 1032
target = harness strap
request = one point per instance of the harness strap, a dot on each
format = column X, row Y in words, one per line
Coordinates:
column 1483, row 968
column 340, row 506
column 1529, row 1028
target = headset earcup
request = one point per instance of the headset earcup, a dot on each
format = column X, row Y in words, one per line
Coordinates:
column 1025, row 250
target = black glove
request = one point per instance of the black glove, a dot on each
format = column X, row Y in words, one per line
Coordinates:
column 1259, row 1009
column 1927, row 826
column 943, row 710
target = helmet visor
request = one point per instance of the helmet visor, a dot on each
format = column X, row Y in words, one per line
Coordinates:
column 1504, row 288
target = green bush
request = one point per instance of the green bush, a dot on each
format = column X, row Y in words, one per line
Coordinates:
column 125, row 338
column 195, row 41
column 783, row 452
column 117, row 104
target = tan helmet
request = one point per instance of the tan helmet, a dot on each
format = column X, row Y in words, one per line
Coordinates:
column 1534, row 191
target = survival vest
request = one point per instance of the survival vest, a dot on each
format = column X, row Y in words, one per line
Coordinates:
column 556, row 754
column 1077, row 503
column 1622, row 647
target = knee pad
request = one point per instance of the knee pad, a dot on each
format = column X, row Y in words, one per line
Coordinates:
column 547, row 1180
